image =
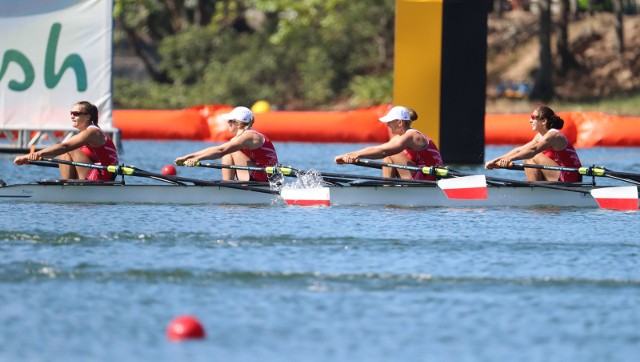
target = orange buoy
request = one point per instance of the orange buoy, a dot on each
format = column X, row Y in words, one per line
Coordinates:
column 185, row 327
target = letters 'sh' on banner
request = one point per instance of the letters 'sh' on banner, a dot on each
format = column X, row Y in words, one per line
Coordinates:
column 54, row 54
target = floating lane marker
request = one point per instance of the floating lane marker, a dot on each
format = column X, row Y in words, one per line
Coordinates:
column 617, row 198
column 472, row 187
column 307, row 197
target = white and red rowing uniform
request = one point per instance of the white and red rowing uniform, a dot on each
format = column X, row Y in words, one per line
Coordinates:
column 105, row 155
column 566, row 157
column 263, row 156
column 429, row 155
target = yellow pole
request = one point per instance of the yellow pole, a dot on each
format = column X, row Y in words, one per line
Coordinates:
column 417, row 63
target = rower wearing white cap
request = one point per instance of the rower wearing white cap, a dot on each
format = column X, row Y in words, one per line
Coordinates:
column 407, row 146
column 247, row 148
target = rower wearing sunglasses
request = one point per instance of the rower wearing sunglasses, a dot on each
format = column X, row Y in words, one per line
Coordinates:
column 549, row 147
column 90, row 145
column 247, row 148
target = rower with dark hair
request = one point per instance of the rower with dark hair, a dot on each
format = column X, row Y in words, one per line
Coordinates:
column 549, row 148
column 90, row 145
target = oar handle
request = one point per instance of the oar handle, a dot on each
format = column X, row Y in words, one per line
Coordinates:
column 585, row 171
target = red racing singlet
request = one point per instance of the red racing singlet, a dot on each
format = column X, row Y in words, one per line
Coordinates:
column 105, row 155
column 429, row 155
column 567, row 157
column 263, row 156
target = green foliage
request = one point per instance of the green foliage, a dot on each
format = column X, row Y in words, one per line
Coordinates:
column 130, row 94
column 371, row 90
column 596, row 5
column 292, row 53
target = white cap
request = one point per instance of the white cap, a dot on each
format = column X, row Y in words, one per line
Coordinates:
column 242, row 114
column 397, row 112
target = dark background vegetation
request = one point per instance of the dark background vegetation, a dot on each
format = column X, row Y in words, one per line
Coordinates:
column 338, row 54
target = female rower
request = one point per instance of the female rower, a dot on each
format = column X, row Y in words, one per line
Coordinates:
column 407, row 147
column 247, row 148
column 90, row 145
column 549, row 147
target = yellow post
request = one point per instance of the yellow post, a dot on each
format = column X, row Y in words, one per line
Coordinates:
column 417, row 64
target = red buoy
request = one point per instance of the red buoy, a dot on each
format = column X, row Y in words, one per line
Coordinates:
column 169, row 170
column 185, row 327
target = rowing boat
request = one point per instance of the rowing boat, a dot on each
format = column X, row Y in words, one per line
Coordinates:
column 454, row 189
column 427, row 195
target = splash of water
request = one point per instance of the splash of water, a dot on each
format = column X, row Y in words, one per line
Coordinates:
column 305, row 180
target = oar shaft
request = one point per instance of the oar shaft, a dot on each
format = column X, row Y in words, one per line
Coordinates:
column 373, row 178
column 585, row 171
column 73, row 163
column 287, row 171
column 132, row 171
column 427, row 170
column 137, row 172
column 44, row 164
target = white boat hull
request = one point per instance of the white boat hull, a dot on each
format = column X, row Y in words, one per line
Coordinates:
column 135, row 194
column 422, row 196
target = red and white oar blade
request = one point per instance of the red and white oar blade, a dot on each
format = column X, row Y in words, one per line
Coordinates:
column 307, row 197
column 617, row 198
column 472, row 187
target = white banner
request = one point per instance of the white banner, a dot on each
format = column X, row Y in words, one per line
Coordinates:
column 53, row 54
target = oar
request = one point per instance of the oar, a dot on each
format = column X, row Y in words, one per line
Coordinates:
column 331, row 178
column 134, row 171
column 442, row 171
column 287, row 171
column 601, row 171
column 54, row 162
column 616, row 198
column 306, row 196
column 427, row 170
column 465, row 187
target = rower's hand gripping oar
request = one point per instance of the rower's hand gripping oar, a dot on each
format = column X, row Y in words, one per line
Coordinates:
column 616, row 198
column 464, row 187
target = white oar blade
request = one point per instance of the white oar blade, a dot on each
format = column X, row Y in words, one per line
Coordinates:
column 472, row 187
column 307, row 197
column 617, row 198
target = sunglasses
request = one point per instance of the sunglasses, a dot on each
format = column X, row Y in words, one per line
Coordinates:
column 231, row 121
column 533, row 116
column 76, row 113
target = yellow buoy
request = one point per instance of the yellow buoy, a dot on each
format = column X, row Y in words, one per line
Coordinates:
column 261, row 107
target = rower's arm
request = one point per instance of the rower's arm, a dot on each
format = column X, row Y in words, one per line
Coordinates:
column 513, row 153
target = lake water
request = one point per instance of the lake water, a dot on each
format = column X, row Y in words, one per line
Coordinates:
column 347, row 283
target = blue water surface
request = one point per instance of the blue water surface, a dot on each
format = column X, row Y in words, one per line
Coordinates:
column 348, row 283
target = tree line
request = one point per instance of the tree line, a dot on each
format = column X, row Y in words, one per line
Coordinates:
column 295, row 54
